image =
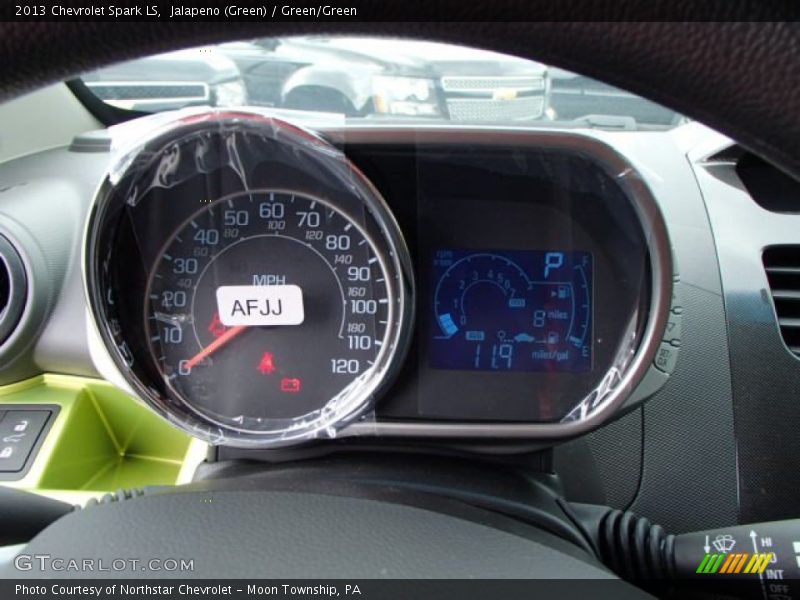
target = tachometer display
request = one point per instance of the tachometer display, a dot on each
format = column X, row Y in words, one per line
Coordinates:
column 500, row 310
column 265, row 305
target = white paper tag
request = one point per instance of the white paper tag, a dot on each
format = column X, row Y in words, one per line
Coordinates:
column 255, row 305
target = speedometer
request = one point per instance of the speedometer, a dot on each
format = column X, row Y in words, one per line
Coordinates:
column 264, row 306
column 249, row 282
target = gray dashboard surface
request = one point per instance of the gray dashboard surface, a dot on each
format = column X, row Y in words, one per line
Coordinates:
column 766, row 375
column 43, row 202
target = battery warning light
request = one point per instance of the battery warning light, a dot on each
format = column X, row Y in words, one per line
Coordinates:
column 267, row 363
column 291, row 385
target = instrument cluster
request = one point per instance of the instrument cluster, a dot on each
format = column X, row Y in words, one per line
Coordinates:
column 260, row 284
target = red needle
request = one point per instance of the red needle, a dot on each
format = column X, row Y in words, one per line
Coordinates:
column 215, row 345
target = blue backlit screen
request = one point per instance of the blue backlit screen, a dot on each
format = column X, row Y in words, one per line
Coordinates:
column 512, row 310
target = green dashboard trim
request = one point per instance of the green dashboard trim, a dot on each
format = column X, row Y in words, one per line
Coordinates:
column 102, row 440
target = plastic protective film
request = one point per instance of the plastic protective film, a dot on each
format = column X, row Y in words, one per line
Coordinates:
column 642, row 324
column 247, row 280
column 541, row 289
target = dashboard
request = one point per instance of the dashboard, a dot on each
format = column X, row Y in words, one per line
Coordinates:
column 260, row 284
column 618, row 308
column 509, row 197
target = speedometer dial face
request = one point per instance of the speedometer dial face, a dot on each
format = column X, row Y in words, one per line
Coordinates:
column 266, row 305
column 249, row 282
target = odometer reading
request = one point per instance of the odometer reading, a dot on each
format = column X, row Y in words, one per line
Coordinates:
column 267, row 307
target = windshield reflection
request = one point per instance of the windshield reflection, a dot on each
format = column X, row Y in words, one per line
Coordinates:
column 372, row 78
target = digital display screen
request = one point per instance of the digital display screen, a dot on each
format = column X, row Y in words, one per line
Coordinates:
column 511, row 310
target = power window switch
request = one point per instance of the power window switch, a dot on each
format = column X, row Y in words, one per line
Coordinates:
column 19, row 430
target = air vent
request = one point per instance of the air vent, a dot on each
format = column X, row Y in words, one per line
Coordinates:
column 782, row 264
column 13, row 289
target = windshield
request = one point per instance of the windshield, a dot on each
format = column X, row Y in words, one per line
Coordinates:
column 375, row 79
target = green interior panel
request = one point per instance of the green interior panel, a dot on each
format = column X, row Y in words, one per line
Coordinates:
column 102, row 440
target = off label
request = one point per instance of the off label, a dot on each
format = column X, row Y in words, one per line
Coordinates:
column 258, row 305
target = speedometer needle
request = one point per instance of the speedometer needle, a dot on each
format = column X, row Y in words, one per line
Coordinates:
column 214, row 346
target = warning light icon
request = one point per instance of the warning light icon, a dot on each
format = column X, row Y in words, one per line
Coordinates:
column 291, row 385
column 267, row 363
